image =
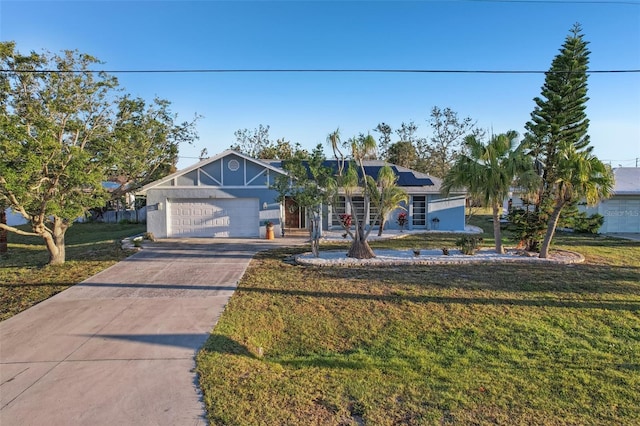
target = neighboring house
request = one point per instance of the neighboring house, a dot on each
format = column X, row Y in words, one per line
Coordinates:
column 104, row 215
column 230, row 195
column 622, row 211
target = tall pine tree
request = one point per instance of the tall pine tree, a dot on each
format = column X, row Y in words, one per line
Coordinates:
column 558, row 133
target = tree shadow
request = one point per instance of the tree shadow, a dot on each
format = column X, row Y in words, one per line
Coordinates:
column 595, row 303
column 181, row 340
column 579, row 279
column 222, row 344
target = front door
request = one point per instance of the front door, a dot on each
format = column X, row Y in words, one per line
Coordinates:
column 291, row 214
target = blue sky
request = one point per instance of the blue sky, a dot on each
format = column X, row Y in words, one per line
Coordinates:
column 304, row 108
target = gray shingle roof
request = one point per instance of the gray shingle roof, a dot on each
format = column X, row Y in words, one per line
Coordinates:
column 627, row 181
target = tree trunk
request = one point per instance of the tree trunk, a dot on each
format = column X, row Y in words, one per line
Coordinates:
column 497, row 235
column 360, row 247
column 3, row 232
column 315, row 236
column 551, row 229
column 382, row 222
column 55, row 242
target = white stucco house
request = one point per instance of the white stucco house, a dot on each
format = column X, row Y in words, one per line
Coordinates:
column 230, row 195
column 622, row 211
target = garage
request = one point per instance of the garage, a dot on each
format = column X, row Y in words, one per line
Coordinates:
column 621, row 215
column 233, row 217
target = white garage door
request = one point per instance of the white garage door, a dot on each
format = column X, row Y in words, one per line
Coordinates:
column 622, row 215
column 235, row 217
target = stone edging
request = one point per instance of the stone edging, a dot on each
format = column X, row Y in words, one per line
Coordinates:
column 557, row 257
column 128, row 244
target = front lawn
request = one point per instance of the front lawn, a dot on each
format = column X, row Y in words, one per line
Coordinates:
column 448, row 344
column 25, row 279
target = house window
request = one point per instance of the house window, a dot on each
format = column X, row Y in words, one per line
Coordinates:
column 373, row 212
column 358, row 204
column 419, row 210
column 339, row 208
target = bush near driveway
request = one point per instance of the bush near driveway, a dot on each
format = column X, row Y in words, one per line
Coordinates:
column 26, row 280
column 460, row 344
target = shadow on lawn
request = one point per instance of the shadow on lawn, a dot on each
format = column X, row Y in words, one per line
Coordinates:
column 595, row 303
column 594, row 241
column 224, row 345
column 580, row 279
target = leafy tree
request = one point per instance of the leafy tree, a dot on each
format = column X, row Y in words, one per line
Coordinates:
column 60, row 140
column 384, row 140
column 402, row 153
column 145, row 143
column 488, row 171
column 558, row 133
column 407, row 132
column 282, row 150
column 252, row 142
column 305, row 184
column 446, row 143
column 54, row 129
column 257, row 144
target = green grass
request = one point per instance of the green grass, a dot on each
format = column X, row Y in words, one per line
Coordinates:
column 448, row 344
column 26, row 280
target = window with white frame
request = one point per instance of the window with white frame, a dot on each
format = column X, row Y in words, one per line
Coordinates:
column 339, row 208
column 358, row 204
column 419, row 210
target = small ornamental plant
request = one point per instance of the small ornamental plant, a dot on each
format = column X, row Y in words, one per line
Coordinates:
column 468, row 245
column 345, row 218
column 137, row 241
column 402, row 220
column 268, row 224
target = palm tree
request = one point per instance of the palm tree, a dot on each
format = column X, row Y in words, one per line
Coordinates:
column 487, row 171
column 386, row 196
column 579, row 175
column 351, row 184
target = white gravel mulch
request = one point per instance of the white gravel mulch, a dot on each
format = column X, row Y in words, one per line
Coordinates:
column 434, row 257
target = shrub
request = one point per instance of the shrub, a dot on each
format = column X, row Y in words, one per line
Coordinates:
column 588, row 225
column 580, row 222
column 526, row 228
column 345, row 218
column 402, row 219
column 468, row 244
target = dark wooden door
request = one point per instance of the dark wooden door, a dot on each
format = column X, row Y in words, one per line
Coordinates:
column 291, row 214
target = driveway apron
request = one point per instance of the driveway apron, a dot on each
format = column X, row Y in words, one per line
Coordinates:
column 118, row 348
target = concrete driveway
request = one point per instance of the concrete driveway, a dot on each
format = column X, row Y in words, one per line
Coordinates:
column 118, row 349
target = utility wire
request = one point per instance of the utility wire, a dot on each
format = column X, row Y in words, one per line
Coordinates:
column 316, row 70
column 632, row 3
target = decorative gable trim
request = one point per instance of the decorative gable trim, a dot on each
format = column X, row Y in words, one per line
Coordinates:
column 171, row 180
column 208, row 175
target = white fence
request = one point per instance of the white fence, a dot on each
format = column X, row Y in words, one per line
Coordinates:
column 112, row 216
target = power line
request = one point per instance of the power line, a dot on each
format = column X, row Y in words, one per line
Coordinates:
column 314, row 70
column 622, row 2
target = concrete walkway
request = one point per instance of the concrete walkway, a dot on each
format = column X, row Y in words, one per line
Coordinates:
column 118, row 349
